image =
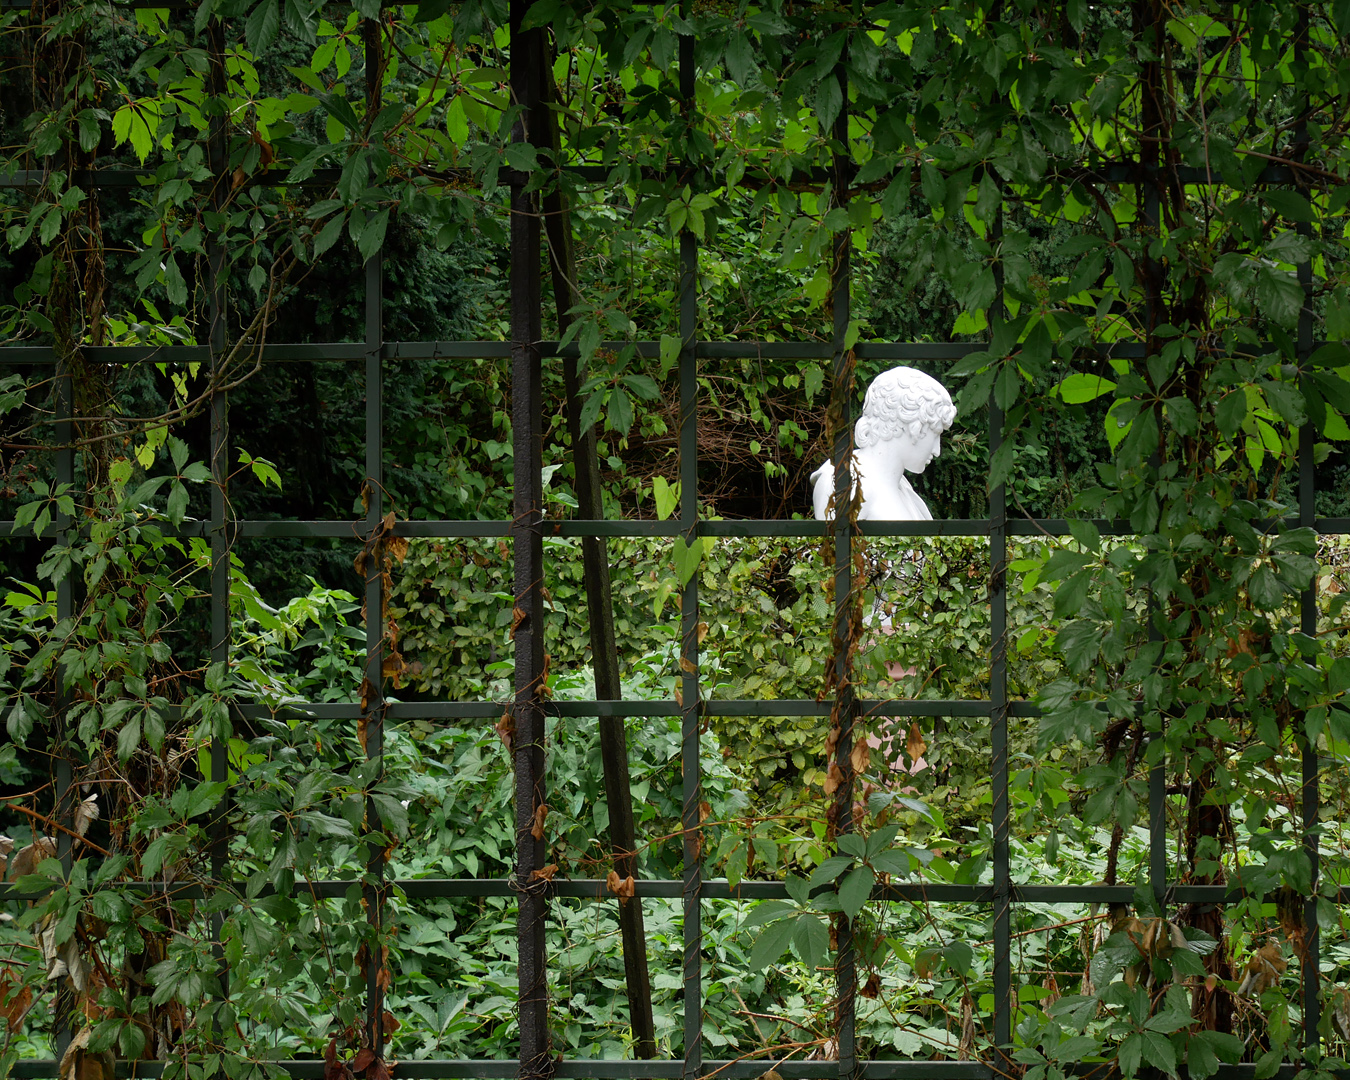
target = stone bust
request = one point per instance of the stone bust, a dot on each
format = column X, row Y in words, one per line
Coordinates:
column 900, row 430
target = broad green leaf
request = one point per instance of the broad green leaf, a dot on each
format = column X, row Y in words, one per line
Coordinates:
column 1289, row 204
column 372, row 236
column 1231, row 411
column 665, row 496
column 772, row 943
column 1279, row 295
column 829, row 100
column 768, row 911
column 1079, row 388
column 129, row 738
column 855, row 890
column 456, row 121
column 261, row 28
column 811, row 939
column 741, row 65
column 620, row 411
column 1129, row 1055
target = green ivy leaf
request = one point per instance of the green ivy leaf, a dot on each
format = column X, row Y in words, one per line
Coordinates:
column 829, row 100
column 855, row 890
column 261, row 28
column 772, row 944
column 811, row 939
column 1079, row 388
column 1279, row 295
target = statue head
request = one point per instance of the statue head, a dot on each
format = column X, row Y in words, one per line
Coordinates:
column 912, row 409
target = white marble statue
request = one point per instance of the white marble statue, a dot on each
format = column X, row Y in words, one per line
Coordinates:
column 900, row 430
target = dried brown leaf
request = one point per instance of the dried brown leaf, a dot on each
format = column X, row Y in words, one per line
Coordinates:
column 15, row 997
column 540, row 814
column 86, row 813
column 1264, row 969
column 915, row 745
column 544, row 873
column 30, row 855
column 506, row 730
column 73, row 1057
column 926, row 962
column 364, row 1057
column 833, row 778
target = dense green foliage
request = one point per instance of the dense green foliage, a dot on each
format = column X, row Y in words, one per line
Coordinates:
column 976, row 210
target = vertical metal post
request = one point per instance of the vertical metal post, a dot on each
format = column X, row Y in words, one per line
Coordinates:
column 998, row 711
column 599, row 595
column 689, row 689
column 527, row 48
column 375, row 890
column 1310, row 961
column 845, row 605
column 1157, row 773
column 218, row 529
column 65, row 609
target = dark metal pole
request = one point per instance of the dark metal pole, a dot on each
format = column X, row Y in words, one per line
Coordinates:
column 543, row 129
column 373, row 690
column 220, row 528
column 1157, row 773
column 65, row 609
column 845, row 603
column 1310, row 961
column 689, row 689
column 998, row 714
column 527, row 52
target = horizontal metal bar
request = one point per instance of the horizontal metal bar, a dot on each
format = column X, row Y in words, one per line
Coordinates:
column 619, row 1069
column 800, row 528
column 585, row 1069
column 638, row 527
column 584, row 709
column 320, row 352
column 721, row 889
column 487, row 710
column 351, row 351
column 727, row 528
column 461, row 710
column 1115, row 172
column 936, row 527
column 313, row 530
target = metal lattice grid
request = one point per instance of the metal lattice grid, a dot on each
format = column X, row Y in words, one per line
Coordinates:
column 526, row 531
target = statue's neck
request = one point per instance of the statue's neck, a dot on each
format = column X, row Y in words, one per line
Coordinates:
column 887, row 494
column 879, row 468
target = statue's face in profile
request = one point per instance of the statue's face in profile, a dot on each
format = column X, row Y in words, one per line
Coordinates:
column 917, row 452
